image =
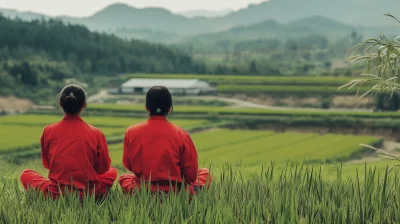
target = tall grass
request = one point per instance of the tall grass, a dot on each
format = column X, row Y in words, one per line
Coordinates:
column 382, row 57
column 294, row 194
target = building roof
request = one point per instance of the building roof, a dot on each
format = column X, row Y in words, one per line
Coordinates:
column 169, row 83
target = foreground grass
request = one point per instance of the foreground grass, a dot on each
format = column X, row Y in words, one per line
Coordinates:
column 292, row 193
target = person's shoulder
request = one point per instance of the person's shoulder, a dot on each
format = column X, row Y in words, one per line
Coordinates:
column 49, row 127
column 180, row 131
column 137, row 127
column 94, row 129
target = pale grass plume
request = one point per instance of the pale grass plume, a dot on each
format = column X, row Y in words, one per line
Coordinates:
column 382, row 57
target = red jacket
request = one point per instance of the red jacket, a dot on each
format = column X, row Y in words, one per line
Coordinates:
column 161, row 151
column 74, row 152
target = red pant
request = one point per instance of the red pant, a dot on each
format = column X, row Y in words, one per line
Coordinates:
column 32, row 180
column 130, row 182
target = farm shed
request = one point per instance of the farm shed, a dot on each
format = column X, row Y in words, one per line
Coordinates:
column 175, row 86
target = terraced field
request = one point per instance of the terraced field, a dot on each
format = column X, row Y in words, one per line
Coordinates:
column 261, row 147
column 103, row 121
column 20, row 137
column 20, row 133
column 248, row 80
column 204, row 110
column 306, row 85
column 289, row 89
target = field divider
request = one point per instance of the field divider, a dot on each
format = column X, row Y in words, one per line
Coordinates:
column 238, row 142
column 44, row 125
column 191, row 129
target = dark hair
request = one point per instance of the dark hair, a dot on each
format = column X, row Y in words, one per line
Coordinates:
column 72, row 99
column 159, row 101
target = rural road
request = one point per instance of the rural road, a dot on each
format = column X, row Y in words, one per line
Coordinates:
column 236, row 103
column 98, row 97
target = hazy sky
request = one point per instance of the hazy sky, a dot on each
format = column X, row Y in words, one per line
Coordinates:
column 88, row 7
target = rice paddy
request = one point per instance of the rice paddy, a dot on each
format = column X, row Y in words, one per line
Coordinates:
column 259, row 177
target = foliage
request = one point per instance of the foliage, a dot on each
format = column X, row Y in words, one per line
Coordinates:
column 292, row 193
column 284, row 90
column 247, row 111
column 37, row 56
column 251, row 80
column 382, row 57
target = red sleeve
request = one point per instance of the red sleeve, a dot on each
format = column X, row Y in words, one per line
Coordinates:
column 45, row 150
column 103, row 161
column 125, row 159
column 189, row 164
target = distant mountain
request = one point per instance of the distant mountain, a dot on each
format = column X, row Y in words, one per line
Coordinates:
column 354, row 12
column 272, row 29
column 263, row 30
column 367, row 13
column 205, row 13
column 149, row 35
column 124, row 16
column 321, row 24
column 22, row 15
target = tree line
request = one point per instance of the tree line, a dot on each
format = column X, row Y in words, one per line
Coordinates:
column 37, row 55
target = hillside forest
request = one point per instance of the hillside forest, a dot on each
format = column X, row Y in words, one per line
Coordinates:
column 39, row 53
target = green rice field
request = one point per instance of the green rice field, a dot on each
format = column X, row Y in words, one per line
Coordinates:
column 281, row 85
column 244, row 111
column 259, row 177
column 32, row 127
column 221, row 146
column 289, row 89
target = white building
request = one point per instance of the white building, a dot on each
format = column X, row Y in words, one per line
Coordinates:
column 175, row 86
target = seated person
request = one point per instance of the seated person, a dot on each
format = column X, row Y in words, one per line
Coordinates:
column 160, row 154
column 75, row 153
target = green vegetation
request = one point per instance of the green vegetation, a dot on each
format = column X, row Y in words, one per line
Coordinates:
column 292, row 193
column 340, row 193
column 37, row 56
column 288, row 90
column 12, row 127
column 17, row 137
column 245, row 111
column 100, row 121
column 263, row 147
column 381, row 56
column 254, row 80
column 252, row 117
column 25, row 137
column 218, row 147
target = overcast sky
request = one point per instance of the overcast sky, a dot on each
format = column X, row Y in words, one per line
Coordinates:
column 88, row 7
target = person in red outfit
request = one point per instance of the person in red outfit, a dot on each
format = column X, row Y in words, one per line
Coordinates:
column 75, row 153
column 161, row 155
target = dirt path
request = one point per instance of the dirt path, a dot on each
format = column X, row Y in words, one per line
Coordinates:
column 388, row 146
column 235, row 103
column 100, row 96
column 14, row 105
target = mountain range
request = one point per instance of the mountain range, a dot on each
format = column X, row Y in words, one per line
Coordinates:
column 205, row 13
column 282, row 15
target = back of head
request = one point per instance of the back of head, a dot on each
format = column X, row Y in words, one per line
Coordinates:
column 158, row 101
column 72, row 99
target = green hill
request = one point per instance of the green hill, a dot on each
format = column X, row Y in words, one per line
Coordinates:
column 321, row 24
column 36, row 56
column 264, row 30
